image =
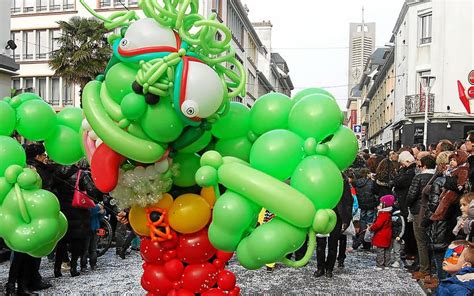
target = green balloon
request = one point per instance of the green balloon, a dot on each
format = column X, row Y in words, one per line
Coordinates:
column 36, row 120
column 8, row 119
column 236, row 147
column 320, row 180
column 11, row 153
column 310, row 91
column 270, row 112
column 161, row 123
column 71, row 117
column 236, row 123
column 277, row 153
column 233, row 217
column 343, row 147
column 188, row 164
column 199, row 145
column 119, row 81
column 133, row 106
column 64, row 145
column 269, row 243
column 315, row 116
column 22, row 98
column 324, row 221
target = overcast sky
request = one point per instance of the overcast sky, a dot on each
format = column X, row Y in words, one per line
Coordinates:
column 313, row 36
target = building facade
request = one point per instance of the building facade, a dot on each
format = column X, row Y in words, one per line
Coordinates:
column 8, row 67
column 432, row 38
column 361, row 46
column 35, row 30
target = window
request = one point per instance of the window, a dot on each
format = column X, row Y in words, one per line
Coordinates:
column 41, row 5
column 28, row 45
column 67, row 94
column 41, row 87
column 55, row 34
column 68, row 4
column 16, row 83
column 55, row 96
column 16, row 6
column 425, row 28
column 41, row 44
column 419, row 82
column 15, row 36
column 28, row 84
column 28, row 5
column 132, row 2
column 54, row 4
column 119, row 3
column 104, row 3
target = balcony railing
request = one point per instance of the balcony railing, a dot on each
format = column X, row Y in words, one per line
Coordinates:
column 415, row 104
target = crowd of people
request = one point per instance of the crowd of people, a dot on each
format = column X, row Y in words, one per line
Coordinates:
column 415, row 208
column 76, row 252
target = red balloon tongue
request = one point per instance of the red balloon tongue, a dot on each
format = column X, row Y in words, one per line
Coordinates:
column 105, row 165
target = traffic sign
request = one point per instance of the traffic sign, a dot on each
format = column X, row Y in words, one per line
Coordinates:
column 470, row 77
column 357, row 128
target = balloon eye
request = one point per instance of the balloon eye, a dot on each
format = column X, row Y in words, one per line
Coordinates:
column 137, row 88
column 155, row 216
column 189, row 108
column 152, row 99
column 124, row 42
column 327, row 139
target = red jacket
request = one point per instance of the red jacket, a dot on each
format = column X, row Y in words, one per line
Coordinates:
column 382, row 229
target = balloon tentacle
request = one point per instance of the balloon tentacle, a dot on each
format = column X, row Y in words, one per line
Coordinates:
column 307, row 256
column 21, row 205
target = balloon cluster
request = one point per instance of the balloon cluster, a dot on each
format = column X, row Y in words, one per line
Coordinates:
column 179, row 258
column 300, row 141
column 30, row 217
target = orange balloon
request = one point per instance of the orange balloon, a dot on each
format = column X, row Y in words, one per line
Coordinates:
column 165, row 202
column 138, row 219
column 209, row 195
column 189, row 213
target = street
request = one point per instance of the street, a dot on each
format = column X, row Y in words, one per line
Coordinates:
column 122, row 277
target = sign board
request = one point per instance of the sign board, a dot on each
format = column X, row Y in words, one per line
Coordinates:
column 470, row 77
column 357, row 128
column 418, row 132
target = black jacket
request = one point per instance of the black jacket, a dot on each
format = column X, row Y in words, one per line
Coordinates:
column 344, row 207
column 365, row 195
column 401, row 184
column 78, row 219
column 413, row 200
column 398, row 223
column 440, row 233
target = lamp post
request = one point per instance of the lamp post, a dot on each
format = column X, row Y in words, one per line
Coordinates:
column 427, row 81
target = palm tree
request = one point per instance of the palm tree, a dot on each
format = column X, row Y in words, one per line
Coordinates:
column 83, row 52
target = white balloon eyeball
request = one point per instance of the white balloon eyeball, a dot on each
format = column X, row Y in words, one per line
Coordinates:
column 190, row 108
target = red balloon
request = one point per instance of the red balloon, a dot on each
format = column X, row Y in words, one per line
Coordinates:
column 195, row 247
column 171, row 243
column 214, row 292
column 105, row 165
column 151, row 252
column 174, row 269
column 154, row 280
column 234, row 292
column 226, row 280
column 181, row 292
column 226, row 256
column 219, row 264
column 169, row 255
column 199, row 277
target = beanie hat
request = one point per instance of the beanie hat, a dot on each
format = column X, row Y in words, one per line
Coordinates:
column 406, row 158
column 388, row 200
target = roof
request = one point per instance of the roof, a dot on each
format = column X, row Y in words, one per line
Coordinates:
column 248, row 25
column 8, row 63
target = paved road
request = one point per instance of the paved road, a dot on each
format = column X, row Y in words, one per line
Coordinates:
column 122, row 277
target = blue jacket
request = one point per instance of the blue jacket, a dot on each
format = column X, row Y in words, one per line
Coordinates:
column 95, row 218
column 460, row 284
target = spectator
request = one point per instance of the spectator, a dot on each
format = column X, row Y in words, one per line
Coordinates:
column 367, row 204
column 398, row 230
column 382, row 229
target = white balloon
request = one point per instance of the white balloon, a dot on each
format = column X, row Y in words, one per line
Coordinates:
column 147, row 33
column 92, row 135
column 85, row 125
column 98, row 142
column 162, row 166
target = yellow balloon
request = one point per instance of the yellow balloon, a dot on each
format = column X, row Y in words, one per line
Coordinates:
column 165, row 202
column 208, row 194
column 138, row 221
column 189, row 213
column 138, row 217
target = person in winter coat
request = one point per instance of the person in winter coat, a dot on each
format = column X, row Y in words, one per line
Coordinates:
column 385, row 173
column 462, row 220
column 469, row 223
column 367, row 204
column 459, row 261
column 440, row 231
column 428, row 165
column 382, row 229
column 97, row 214
column 78, row 219
column 343, row 212
column 398, row 229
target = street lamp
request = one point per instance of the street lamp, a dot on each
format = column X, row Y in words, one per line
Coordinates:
column 427, row 81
